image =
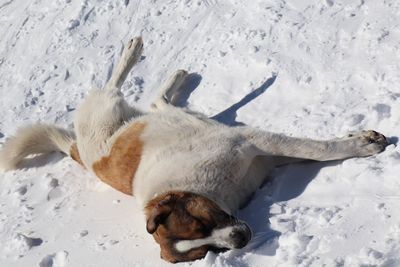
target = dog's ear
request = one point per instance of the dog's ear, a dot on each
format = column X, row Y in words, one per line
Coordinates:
column 158, row 214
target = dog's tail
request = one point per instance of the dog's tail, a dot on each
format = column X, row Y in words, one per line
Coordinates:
column 35, row 139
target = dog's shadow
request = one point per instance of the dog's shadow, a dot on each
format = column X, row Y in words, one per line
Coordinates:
column 288, row 182
column 228, row 116
column 40, row 160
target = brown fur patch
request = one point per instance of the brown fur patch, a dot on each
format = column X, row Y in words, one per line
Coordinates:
column 183, row 216
column 74, row 153
column 119, row 167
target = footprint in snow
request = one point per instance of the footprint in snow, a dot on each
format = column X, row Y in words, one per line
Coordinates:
column 20, row 244
column 383, row 110
column 81, row 234
column 22, row 190
column 28, row 241
column 55, row 191
column 106, row 245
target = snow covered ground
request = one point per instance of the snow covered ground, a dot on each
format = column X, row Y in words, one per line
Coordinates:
column 308, row 68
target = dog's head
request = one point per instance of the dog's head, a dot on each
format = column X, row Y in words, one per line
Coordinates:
column 187, row 226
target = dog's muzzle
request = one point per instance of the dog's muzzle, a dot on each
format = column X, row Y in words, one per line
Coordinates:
column 229, row 237
column 240, row 235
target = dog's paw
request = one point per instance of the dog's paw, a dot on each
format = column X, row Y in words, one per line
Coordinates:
column 135, row 44
column 180, row 75
column 368, row 142
column 133, row 50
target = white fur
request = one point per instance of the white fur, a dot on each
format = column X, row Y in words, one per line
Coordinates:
column 34, row 139
column 182, row 151
column 219, row 238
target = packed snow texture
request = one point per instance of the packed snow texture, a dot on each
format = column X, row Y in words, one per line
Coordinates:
column 315, row 68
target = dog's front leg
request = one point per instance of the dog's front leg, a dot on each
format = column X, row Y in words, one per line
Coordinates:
column 170, row 90
column 365, row 143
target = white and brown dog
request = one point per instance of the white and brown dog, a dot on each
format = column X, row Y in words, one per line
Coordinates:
column 187, row 171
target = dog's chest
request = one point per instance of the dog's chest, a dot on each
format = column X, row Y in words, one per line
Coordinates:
column 118, row 168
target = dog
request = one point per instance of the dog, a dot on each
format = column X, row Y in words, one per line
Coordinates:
column 189, row 173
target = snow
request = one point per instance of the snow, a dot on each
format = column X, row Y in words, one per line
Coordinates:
column 305, row 68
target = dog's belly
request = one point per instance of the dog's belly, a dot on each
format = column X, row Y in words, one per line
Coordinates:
column 221, row 166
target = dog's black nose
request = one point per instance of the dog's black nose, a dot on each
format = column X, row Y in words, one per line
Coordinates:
column 240, row 235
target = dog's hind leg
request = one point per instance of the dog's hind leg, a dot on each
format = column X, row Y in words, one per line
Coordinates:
column 365, row 143
column 103, row 112
column 170, row 90
column 129, row 57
